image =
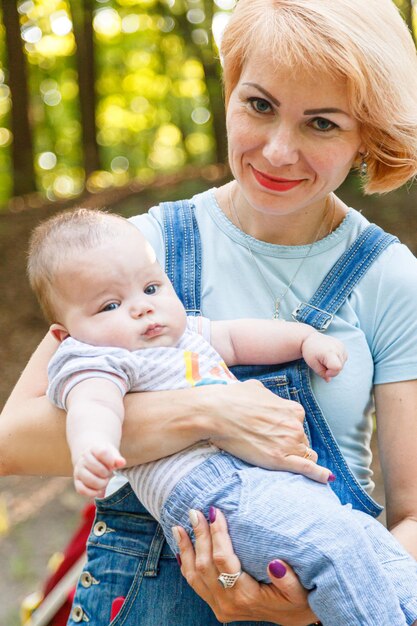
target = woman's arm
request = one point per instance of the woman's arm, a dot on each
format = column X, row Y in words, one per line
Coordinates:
column 245, row 419
column 30, row 426
column 396, row 410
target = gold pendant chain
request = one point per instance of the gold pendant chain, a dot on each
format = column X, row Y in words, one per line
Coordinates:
column 277, row 300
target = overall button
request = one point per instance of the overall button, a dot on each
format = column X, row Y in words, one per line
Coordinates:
column 99, row 529
column 78, row 615
column 86, row 580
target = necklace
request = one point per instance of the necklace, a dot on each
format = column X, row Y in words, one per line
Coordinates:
column 277, row 300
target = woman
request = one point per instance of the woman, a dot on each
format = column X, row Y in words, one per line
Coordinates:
column 313, row 88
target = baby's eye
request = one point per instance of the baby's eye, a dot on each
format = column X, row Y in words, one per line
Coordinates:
column 322, row 124
column 112, row 306
column 150, row 290
column 259, row 105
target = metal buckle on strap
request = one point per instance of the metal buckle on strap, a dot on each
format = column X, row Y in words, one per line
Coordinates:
column 305, row 305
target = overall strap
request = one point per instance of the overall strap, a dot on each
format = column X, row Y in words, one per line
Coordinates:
column 183, row 252
column 343, row 277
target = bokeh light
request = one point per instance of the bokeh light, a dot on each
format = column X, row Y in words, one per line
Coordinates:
column 220, row 21
column 200, row 37
column 200, row 115
column 226, row 5
column 47, row 160
column 130, row 23
column 25, row 7
column 196, row 16
column 119, row 164
column 5, row 137
column 107, row 23
column 61, row 24
column 31, row 34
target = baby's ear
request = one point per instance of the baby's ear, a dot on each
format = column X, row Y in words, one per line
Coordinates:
column 59, row 332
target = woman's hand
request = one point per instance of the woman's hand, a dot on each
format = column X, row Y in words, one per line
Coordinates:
column 283, row 602
column 252, row 423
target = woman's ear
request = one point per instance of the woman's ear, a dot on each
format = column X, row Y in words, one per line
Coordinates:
column 59, row 332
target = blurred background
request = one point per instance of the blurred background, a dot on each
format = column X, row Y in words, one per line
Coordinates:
column 114, row 103
column 97, row 92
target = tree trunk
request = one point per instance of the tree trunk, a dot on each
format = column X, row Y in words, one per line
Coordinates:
column 215, row 89
column 24, row 180
column 206, row 56
column 82, row 16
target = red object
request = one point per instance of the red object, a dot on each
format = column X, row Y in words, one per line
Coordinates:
column 116, row 605
column 275, row 184
column 72, row 552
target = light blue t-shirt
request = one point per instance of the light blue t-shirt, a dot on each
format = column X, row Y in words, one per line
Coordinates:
column 378, row 322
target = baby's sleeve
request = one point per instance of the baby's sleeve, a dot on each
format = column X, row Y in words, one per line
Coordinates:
column 75, row 361
column 200, row 325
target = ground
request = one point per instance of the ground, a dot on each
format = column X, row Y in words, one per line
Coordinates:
column 37, row 515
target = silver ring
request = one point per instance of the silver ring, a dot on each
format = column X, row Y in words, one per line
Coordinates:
column 308, row 454
column 228, row 580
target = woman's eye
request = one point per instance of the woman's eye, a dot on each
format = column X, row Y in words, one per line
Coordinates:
column 112, row 306
column 320, row 123
column 150, row 290
column 260, row 105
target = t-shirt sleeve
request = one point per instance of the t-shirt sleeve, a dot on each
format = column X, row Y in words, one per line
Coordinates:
column 394, row 338
column 151, row 226
column 201, row 325
column 74, row 362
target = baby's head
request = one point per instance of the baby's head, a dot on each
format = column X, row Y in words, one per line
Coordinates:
column 97, row 279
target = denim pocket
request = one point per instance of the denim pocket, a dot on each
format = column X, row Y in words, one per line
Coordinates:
column 278, row 385
column 110, row 575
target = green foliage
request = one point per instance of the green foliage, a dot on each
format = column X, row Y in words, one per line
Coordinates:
column 408, row 10
column 153, row 111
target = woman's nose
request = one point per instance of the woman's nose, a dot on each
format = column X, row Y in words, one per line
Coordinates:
column 281, row 147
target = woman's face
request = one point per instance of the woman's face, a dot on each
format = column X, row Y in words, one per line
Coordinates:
column 292, row 139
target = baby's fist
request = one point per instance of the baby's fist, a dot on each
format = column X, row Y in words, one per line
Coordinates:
column 94, row 468
column 325, row 355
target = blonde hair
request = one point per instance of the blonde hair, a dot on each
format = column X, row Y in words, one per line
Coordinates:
column 364, row 43
column 57, row 240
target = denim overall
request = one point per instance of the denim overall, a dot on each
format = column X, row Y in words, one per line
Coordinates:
column 128, row 556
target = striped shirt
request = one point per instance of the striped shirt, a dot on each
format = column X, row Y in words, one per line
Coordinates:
column 192, row 362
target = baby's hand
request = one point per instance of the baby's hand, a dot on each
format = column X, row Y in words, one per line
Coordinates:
column 325, row 355
column 94, row 468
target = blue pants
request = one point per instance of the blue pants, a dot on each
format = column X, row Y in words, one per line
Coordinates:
column 356, row 571
column 128, row 557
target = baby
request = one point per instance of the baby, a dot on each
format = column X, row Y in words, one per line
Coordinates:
column 122, row 328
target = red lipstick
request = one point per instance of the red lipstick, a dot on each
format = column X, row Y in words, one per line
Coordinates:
column 275, row 184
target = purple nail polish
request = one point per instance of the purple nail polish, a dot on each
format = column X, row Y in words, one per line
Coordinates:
column 277, row 569
column 212, row 514
column 177, row 556
column 331, row 478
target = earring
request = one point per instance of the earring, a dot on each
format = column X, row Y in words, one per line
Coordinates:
column 363, row 167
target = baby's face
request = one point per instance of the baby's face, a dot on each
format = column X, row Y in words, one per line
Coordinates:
column 117, row 295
